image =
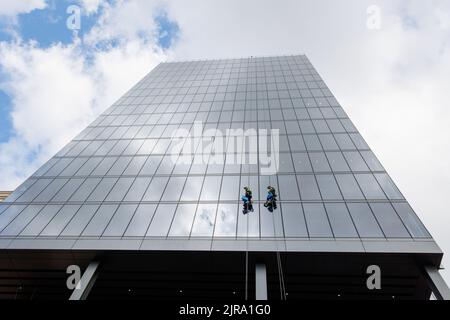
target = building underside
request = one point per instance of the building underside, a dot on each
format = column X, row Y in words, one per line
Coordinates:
column 215, row 275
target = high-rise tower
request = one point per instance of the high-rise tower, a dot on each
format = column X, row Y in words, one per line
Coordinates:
column 148, row 198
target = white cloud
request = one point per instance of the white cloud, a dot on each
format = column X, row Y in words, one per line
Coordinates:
column 15, row 7
column 91, row 6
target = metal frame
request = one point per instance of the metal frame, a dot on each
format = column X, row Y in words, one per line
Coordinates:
column 437, row 283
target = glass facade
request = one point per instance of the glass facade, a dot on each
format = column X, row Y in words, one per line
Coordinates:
column 125, row 177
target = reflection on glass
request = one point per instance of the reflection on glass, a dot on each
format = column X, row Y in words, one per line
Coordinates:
column 204, row 220
column 226, row 220
column 182, row 222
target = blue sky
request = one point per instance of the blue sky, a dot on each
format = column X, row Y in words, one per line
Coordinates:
column 47, row 27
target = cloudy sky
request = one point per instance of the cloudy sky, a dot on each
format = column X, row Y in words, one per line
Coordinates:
column 387, row 62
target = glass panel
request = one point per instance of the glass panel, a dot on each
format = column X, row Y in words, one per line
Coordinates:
column 340, row 220
column 102, row 190
column 372, row 161
column 161, row 221
column 355, row 161
column 9, row 214
column 337, row 161
column 319, row 162
column 135, row 166
column 120, row 221
column 119, row 166
column 155, row 189
column 141, row 220
column 41, row 220
column 271, row 223
column 204, row 220
column 308, row 187
column 85, row 189
column 230, row 188
column 293, row 220
column 288, row 188
column 58, row 222
column 182, row 222
column 100, row 220
column 328, row 187
column 50, row 190
column 301, row 162
column 388, row 186
column 34, row 190
column 211, row 187
column 369, row 186
column 411, row 221
column 80, row 220
column 104, row 166
column 349, row 187
column 389, row 221
column 137, row 189
column 173, row 189
column 226, row 221
column 192, row 189
column 317, row 221
column 150, row 165
column 364, row 221
column 20, row 222
column 120, row 189
column 88, row 166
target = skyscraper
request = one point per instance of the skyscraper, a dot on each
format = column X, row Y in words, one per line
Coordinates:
column 148, row 200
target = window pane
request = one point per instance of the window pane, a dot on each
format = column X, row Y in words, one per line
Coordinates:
column 80, row 220
column 294, row 220
column 348, row 186
column 204, row 220
column 19, row 223
column 355, row 161
column 226, row 220
column 308, row 187
column 41, row 220
column 389, row 221
column 100, row 220
column 364, row 221
column 58, row 223
column 50, row 190
column 137, row 189
column 341, row 223
column 288, row 188
column 411, row 221
column 370, row 186
column 155, row 189
column 388, row 186
column 120, row 221
column 271, row 224
column 316, row 220
column 141, row 219
column 192, row 189
column 372, row 161
column 211, row 187
column 182, row 222
column 328, row 187
column 173, row 189
column 337, row 161
column 319, row 162
column 162, row 219
column 102, row 190
column 301, row 162
column 248, row 224
column 85, row 189
column 230, row 188
column 120, row 189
